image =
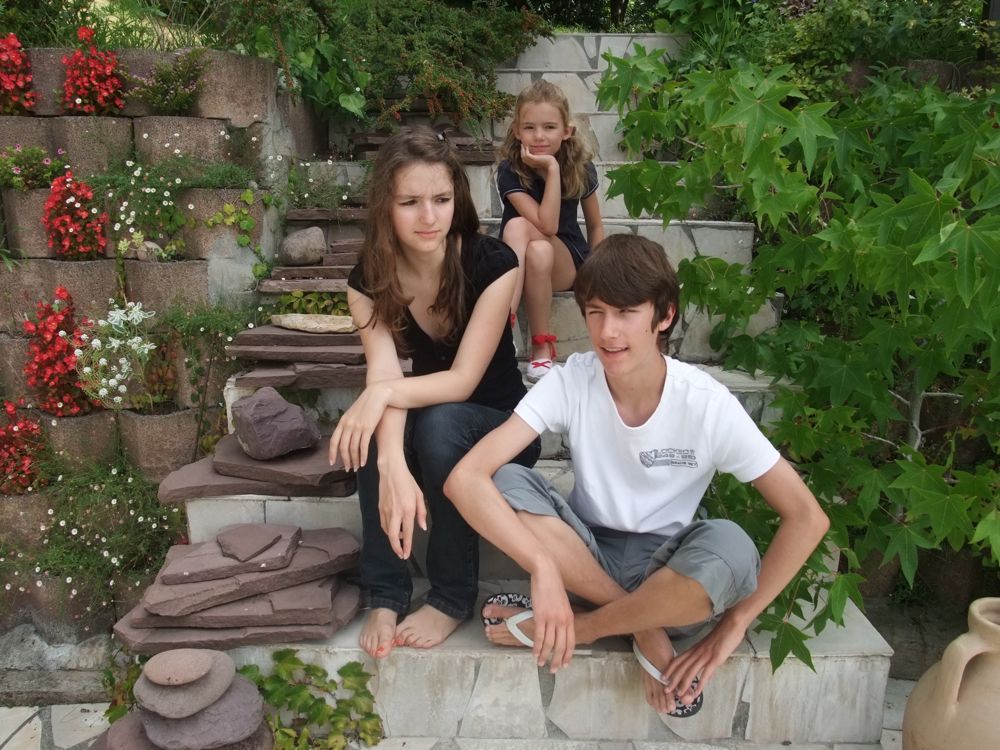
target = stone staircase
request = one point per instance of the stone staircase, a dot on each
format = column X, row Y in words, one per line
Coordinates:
column 468, row 688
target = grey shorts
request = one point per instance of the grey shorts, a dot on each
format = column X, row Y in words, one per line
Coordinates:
column 716, row 553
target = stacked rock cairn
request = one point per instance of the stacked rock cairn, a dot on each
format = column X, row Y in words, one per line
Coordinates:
column 191, row 699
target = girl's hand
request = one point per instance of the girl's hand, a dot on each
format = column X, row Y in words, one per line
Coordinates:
column 400, row 502
column 357, row 425
column 538, row 162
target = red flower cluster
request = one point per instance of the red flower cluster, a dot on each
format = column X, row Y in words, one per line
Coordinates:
column 15, row 78
column 20, row 442
column 92, row 84
column 51, row 366
column 76, row 229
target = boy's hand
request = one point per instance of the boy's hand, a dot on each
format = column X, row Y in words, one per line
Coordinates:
column 356, row 426
column 703, row 659
column 400, row 502
column 555, row 636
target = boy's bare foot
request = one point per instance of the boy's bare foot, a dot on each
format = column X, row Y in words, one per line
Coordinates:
column 425, row 628
column 378, row 632
column 500, row 634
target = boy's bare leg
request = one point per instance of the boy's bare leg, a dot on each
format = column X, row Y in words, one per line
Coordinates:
column 425, row 628
column 378, row 632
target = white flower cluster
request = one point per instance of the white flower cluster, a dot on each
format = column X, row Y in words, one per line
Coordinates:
column 117, row 350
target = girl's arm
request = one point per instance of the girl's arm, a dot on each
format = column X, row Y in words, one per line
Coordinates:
column 544, row 215
column 592, row 215
column 387, row 388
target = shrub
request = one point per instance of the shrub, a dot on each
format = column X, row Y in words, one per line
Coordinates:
column 15, row 78
column 92, row 85
column 54, row 336
column 20, row 444
column 77, row 228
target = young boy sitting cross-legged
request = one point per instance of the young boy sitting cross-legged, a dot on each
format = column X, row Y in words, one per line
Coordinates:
column 646, row 434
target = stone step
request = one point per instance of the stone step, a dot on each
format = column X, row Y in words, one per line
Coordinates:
column 469, row 689
column 335, row 355
column 277, row 336
column 300, row 376
column 284, row 286
column 328, row 270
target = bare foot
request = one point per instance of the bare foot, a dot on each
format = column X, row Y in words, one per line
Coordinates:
column 425, row 628
column 500, row 634
column 378, row 632
column 655, row 646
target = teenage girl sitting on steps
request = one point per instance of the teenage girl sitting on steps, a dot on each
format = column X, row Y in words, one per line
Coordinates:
column 545, row 174
column 430, row 287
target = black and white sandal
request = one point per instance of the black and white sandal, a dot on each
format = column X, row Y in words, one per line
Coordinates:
column 680, row 711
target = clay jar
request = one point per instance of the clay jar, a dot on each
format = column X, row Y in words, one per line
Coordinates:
column 955, row 703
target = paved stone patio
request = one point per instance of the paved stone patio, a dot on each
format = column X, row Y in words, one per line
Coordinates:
column 74, row 727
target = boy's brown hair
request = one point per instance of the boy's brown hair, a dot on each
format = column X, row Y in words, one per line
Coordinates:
column 626, row 270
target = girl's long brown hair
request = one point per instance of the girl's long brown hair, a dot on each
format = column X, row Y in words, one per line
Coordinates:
column 380, row 249
column 572, row 156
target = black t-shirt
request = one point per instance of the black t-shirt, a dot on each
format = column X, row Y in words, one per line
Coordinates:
column 569, row 226
column 485, row 259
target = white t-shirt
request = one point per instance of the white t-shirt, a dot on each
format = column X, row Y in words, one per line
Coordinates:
column 650, row 478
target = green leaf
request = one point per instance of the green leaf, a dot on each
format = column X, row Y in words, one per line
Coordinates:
column 810, row 126
column 247, row 196
column 758, row 112
column 904, row 540
column 789, row 639
column 988, row 530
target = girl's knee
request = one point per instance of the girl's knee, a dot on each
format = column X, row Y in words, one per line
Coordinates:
column 517, row 229
column 539, row 255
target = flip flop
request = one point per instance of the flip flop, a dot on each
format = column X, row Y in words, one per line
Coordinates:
column 507, row 599
column 513, row 622
column 680, row 711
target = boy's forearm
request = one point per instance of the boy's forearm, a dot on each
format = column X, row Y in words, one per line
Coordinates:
column 485, row 510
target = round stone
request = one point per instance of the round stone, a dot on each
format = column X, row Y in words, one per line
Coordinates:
column 127, row 734
column 231, row 719
column 179, row 666
column 181, row 701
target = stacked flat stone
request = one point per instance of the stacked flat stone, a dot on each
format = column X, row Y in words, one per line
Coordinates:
column 191, row 699
column 254, row 584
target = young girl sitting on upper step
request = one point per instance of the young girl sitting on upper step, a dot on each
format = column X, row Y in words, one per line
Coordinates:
column 545, row 173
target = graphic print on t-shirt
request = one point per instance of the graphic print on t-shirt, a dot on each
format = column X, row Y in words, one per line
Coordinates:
column 669, row 457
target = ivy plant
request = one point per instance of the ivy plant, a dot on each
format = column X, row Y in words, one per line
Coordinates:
column 313, row 709
column 877, row 221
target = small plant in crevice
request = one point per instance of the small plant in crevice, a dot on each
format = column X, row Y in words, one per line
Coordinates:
column 172, row 88
column 118, row 679
column 29, row 168
column 202, row 334
column 237, row 215
column 311, row 303
column 313, row 709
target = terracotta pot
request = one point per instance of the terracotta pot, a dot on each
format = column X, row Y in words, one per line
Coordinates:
column 157, row 444
column 954, row 705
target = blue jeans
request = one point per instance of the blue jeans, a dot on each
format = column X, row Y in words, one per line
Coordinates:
column 436, row 438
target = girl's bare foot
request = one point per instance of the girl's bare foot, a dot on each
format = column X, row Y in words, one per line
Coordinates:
column 425, row 628
column 378, row 632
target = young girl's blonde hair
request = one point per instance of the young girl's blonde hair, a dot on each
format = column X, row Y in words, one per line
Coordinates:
column 572, row 156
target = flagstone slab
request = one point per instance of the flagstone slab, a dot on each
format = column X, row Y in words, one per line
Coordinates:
column 329, row 355
column 179, row 667
column 245, row 540
column 128, row 734
column 321, row 553
column 207, row 561
column 308, row 603
column 155, row 640
column 278, row 336
column 305, row 467
column 201, row 480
